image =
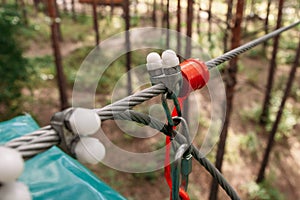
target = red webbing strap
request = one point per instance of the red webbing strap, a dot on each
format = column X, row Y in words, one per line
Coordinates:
column 182, row 193
column 195, row 75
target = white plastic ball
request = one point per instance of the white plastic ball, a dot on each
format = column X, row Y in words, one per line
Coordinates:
column 11, row 164
column 89, row 150
column 15, row 191
column 85, row 121
column 153, row 61
column 169, row 58
column 153, row 57
column 168, row 52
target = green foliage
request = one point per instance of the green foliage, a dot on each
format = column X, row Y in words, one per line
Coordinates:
column 249, row 142
column 263, row 191
column 286, row 57
column 14, row 69
column 295, row 92
column 288, row 120
column 289, row 117
column 256, row 53
column 256, row 192
column 44, row 69
column 112, row 177
column 75, row 32
column 252, row 114
column 221, row 67
column 73, row 61
column 241, row 66
column 148, row 176
column 37, row 32
column 232, row 149
column 134, row 21
column 114, row 72
column 253, row 77
column 159, row 144
column 43, row 64
column 112, row 75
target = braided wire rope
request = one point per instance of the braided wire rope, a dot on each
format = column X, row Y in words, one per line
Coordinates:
column 160, row 126
column 129, row 102
column 35, row 142
column 44, row 138
column 237, row 51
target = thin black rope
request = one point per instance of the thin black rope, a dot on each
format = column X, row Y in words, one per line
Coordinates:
column 237, row 51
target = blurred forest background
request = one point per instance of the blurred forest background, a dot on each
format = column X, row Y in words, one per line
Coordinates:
column 43, row 42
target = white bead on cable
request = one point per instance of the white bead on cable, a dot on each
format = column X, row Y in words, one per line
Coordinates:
column 169, row 58
column 89, row 150
column 12, row 164
column 15, row 191
column 85, row 121
column 11, row 167
column 153, row 61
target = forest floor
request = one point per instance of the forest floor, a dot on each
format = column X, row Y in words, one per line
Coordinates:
column 245, row 145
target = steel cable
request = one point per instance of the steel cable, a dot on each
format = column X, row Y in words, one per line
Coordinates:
column 42, row 139
column 158, row 125
column 35, row 142
column 129, row 102
column 237, row 51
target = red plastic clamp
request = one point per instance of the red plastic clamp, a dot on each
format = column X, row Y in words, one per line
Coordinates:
column 195, row 75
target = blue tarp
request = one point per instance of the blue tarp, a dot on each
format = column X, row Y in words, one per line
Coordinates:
column 53, row 174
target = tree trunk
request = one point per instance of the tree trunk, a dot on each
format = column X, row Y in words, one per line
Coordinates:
column 230, row 83
column 189, row 28
column 228, row 24
column 264, row 163
column 188, row 48
column 178, row 28
column 61, row 80
column 95, row 21
column 198, row 18
column 209, row 20
column 168, row 24
column 154, row 19
column 127, row 43
column 136, row 7
column 112, row 6
column 73, row 10
column 24, row 12
column 265, row 111
column 266, row 25
column 162, row 8
column 83, row 9
column 252, row 7
column 59, row 32
column 64, row 5
column 246, row 15
column 36, row 5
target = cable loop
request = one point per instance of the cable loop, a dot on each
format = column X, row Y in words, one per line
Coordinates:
column 186, row 162
column 167, row 110
column 171, row 121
